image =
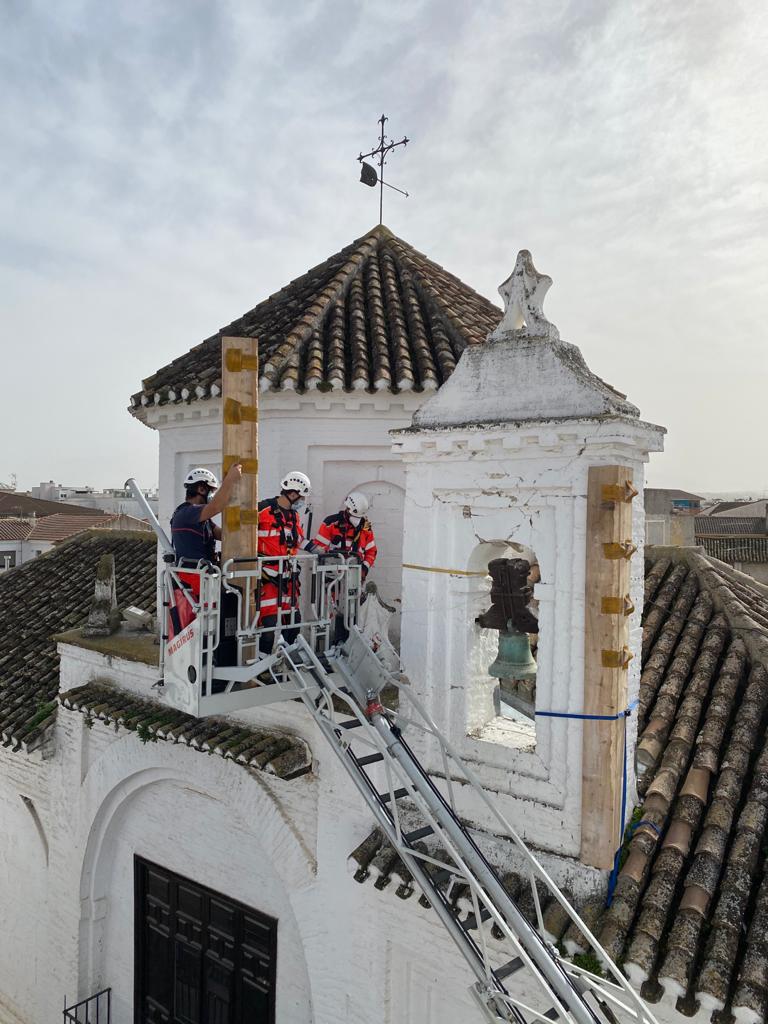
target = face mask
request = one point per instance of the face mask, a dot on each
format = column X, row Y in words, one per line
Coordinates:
column 299, row 505
column 354, row 519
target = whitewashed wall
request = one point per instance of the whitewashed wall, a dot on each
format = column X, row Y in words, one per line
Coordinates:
column 341, row 441
column 472, row 495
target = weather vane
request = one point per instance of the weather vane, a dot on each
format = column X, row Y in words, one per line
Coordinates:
column 369, row 175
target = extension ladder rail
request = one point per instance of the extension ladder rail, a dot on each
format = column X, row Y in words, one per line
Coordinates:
column 369, row 736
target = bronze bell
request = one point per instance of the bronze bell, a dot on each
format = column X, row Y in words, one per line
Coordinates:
column 510, row 596
column 514, row 660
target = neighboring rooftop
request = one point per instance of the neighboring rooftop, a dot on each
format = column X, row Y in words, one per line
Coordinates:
column 732, row 538
column 61, row 525
column 376, row 316
column 726, row 525
column 46, row 596
column 727, row 506
column 747, row 509
column 15, row 529
column 19, row 504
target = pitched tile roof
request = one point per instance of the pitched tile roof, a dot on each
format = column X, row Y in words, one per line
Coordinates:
column 376, row 316
column 753, row 550
column 46, row 596
column 690, row 913
column 277, row 754
column 15, row 529
column 713, row 526
column 721, row 507
column 61, row 525
column 746, row 508
column 15, row 503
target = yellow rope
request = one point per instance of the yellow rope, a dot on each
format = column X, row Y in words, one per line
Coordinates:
column 450, row 572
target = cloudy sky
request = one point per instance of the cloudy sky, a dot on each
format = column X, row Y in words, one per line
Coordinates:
column 168, row 163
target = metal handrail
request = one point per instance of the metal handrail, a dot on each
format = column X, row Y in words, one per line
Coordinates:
column 95, row 1010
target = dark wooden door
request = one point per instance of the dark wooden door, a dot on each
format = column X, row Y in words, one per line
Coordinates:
column 201, row 958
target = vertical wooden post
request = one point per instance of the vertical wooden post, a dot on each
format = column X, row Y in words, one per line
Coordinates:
column 606, row 657
column 240, row 443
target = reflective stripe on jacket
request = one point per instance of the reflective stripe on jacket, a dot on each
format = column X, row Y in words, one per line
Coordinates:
column 339, row 534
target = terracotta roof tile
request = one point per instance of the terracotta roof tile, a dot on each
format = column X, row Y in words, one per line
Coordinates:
column 15, row 529
column 284, row 756
column 46, row 596
column 377, row 315
column 750, row 549
column 61, row 525
column 692, row 884
column 727, row 526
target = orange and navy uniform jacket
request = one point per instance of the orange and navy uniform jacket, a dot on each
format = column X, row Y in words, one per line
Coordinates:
column 339, row 535
column 280, row 533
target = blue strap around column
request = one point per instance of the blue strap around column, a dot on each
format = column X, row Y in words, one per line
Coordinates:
column 613, row 878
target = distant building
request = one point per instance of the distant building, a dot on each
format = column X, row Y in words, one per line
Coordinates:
column 735, row 532
column 21, row 539
column 21, row 505
column 669, row 516
column 668, row 501
column 115, row 500
column 738, row 539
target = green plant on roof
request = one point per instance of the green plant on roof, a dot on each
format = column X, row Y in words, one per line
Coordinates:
column 589, row 962
column 44, row 710
column 629, row 831
column 144, row 734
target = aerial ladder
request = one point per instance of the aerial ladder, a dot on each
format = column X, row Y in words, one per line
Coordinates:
column 521, row 976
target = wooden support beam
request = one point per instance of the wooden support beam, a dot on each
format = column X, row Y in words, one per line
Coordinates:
column 606, row 657
column 240, row 443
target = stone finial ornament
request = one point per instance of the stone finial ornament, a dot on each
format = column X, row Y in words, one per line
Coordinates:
column 103, row 617
column 523, row 293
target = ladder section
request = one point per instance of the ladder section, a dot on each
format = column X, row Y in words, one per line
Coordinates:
column 529, row 981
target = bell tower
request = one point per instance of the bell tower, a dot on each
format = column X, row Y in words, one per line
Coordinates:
column 527, row 456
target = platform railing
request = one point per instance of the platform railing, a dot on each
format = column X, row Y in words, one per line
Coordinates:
column 215, row 642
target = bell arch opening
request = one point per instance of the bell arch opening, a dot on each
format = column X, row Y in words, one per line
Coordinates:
column 504, row 655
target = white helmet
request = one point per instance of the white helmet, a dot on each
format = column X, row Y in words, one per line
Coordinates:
column 296, row 481
column 199, row 475
column 356, row 503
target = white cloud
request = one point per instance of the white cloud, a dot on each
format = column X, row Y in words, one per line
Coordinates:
column 167, row 165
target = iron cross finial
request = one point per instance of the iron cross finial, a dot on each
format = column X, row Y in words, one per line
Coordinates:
column 368, row 174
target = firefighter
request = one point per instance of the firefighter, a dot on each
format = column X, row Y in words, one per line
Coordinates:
column 193, row 534
column 280, row 533
column 348, row 533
